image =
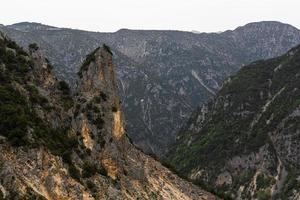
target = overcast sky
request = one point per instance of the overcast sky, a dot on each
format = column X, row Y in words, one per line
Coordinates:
column 111, row 15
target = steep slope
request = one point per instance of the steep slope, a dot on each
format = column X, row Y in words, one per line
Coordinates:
column 162, row 75
column 58, row 144
column 246, row 141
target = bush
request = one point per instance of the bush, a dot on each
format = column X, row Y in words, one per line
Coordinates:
column 67, row 156
column 16, row 60
column 89, row 169
column 102, row 171
column 262, row 181
column 291, row 183
column 263, row 195
column 103, row 96
column 91, row 186
column 15, row 116
column 35, row 96
column 74, row 173
column 97, row 99
column 67, row 102
column 114, row 109
column 33, row 46
column 66, row 98
column 77, row 110
column 99, row 122
column 64, row 87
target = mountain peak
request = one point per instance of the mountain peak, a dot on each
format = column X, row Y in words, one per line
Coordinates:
column 97, row 73
column 265, row 24
column 30, row 26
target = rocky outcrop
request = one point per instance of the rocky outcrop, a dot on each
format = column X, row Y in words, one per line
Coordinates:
column 246, row 143
column 162, row 75
column 63, row 144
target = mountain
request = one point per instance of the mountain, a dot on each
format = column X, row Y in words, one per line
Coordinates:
column 245, row 142
column 61, row 144
column 162, row 75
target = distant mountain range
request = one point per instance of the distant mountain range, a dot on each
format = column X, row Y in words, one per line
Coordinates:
column 163, row 76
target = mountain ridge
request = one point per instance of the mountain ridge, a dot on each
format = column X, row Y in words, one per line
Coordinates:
column 245, row 142
column 34, row 24
column 163, row 72
column 61, row 144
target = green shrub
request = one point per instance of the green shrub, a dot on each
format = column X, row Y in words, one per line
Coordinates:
column 91, row 186
column 97, row 99
column 67, row 156
column 67, row 102
column 33, row 46
column 114, row 109
column 103, row 96
column 15, row 116
column 99, row 122
column 77, row 110
column 74, row 173
column 291, row 183
column 89, row 169
column 262, row 181
column 64, row 87
column 264, row 195
column 102, row 171
column 14, row 58
column 35, row 96
column 244, row 178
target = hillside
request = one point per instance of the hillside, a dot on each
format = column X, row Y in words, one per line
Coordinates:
column 61, row 144
column 245, row 143
column 162, row 75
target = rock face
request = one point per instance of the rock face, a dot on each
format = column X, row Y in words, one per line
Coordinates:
column 162, row 75
column 61, row 144
column 245, row 142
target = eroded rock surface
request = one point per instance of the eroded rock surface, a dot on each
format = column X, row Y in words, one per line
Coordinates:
column 162, row 75
column 245, row 143
column 61, row 144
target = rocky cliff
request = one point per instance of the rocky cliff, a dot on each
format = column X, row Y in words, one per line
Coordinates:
column 61, row 144
column 245, row 143
column 162, row 75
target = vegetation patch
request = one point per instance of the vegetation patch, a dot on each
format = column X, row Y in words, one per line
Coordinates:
column 89, row 58
column 64, row 87
column 89, row 169
column 262, row 181
column 264, row 195
column 33, row 46
column 107, row 48
column 35, row 96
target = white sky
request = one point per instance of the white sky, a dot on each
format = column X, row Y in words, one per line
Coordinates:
column 112, row 15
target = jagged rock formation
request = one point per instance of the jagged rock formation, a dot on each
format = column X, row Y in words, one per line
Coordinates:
column 162, row 75
column 246, row 142
column 58, row 144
